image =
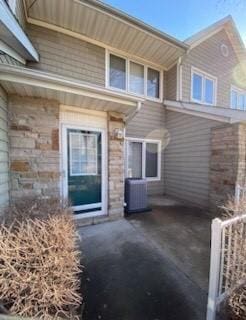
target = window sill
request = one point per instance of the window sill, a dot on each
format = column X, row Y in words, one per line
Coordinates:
column 158, row 100
column 202, row 103
column 153, row 179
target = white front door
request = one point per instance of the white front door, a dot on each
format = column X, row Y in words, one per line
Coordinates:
column 84, row 165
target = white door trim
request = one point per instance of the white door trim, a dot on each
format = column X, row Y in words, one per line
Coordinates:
column 64, row 157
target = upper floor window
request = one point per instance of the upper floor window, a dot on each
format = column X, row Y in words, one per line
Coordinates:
column 136, row 81
column 117, row 78
column 238, row 98
column 133, row 77
column 203, row 87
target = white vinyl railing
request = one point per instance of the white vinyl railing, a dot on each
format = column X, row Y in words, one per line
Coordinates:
column 227, row 262
column 240, row 192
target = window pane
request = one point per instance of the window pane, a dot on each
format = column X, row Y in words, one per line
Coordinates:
column 136, row 78
column 117, row 77
column 151, row 170
column 134, row 160
column 241, row 101
column 83, row 154
column 153, row 83
column 233, row 99
column 197, row 87
column 209, row 91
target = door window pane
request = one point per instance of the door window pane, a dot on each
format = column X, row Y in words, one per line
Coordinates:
column 135, row 160
column 151, row 162
column 136, row 78
column 117, row 77
column 153, row 83
column 197, row 87
column 209, row 91
column 83, row 154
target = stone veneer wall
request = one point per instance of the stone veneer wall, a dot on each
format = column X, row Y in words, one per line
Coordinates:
column 227, row 163
column 34, row 147
column 115, row 167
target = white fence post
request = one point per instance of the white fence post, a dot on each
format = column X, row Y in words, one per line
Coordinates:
column 237, row 193
column 214, row 275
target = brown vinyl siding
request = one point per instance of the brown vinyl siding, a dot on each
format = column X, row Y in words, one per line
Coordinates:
column 149, row 124
column 207, row 56
column 20, row 13
column 67, row 56
column 171, row 83
column 4, row 162
column 187, row 157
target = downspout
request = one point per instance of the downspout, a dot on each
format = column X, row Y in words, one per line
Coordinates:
column 127, row 119
column 132, row 114
column 179, row 80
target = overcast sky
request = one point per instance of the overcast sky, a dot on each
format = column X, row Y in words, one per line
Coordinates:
column 182, row 18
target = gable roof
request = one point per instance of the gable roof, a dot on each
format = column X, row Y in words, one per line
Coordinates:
column 229, row 26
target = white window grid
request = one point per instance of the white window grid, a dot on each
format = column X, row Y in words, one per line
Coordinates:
column 205, row 76
column 81, row 173
column 146, row 67
column 144, row 143
column 239, row 92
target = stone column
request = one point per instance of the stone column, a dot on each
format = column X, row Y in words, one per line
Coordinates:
column 34, row 147
column 227, row 162
column 115, row 166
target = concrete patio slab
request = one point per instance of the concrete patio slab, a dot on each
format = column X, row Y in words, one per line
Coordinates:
column 184, row 234
column 134, row 272
column 163, row 201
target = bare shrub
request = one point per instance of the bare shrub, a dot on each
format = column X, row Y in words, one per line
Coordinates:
column 237, row 303
column 35, row 207
column 234, row 208
column 235, row 258
column 39, row 265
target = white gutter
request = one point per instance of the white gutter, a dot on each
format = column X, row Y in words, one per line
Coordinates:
column 12, row 27
column 209, row 112
column 47, row 80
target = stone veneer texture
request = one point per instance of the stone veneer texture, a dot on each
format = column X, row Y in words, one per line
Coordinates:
column 227, row 163
column 34, row 147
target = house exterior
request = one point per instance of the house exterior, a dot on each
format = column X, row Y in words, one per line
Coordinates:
column 90, row 95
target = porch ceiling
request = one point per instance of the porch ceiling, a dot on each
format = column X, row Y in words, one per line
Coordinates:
column 102, row 23
column 33, row 83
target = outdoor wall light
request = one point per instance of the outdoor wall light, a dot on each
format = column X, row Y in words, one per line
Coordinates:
column 118, row 133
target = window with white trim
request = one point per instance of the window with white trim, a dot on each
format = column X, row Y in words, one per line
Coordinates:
column 143, row 159
column 133, row 77
column 117, row 76
column 203, row 87
column 238, row 98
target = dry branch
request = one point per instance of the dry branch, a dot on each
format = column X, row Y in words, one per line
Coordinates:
column 235, row 258
column 39, row 265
